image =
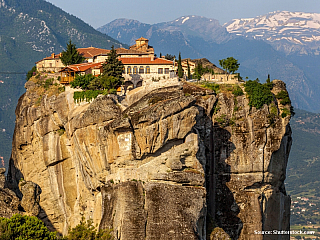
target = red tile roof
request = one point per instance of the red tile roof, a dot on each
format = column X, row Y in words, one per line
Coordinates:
column 90, row 52
column 81, row 67
column 145, row 61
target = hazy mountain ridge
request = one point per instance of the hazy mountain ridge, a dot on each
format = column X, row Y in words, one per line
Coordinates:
column 289, row 32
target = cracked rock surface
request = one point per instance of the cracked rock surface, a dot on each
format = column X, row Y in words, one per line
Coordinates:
column 178, row 162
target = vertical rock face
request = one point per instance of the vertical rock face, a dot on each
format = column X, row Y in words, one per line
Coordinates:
column 179, row 163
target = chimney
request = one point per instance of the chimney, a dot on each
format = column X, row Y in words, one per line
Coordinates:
column 52, row 55
column 152, row 57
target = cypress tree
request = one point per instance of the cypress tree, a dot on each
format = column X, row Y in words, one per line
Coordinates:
column 189, row 73
column 180, row 70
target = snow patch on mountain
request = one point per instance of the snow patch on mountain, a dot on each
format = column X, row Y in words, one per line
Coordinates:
column 296, row 27
column 186, row 19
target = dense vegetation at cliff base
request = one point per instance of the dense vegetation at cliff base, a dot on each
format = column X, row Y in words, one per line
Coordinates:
column 20, row 227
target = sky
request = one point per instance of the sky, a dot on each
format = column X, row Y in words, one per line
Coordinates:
column 100, row 12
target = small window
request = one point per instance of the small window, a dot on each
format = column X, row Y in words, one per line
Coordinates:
column 160, row 70
column 141, row 70
column 135, row 70
column 147, row 70
column 129, row 70
column 166, row 71
column 50, row 64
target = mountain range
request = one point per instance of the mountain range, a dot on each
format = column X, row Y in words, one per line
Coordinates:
column 289, row 32
column 196, row 37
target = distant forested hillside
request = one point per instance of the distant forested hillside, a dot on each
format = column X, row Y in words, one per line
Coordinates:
column 29, row 31
column 304, row 165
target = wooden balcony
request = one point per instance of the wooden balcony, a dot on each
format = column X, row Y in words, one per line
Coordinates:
column 66, row 80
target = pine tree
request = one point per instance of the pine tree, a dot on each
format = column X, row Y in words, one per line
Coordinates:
column 180, row 70
column 71, row 55
column 112, row 69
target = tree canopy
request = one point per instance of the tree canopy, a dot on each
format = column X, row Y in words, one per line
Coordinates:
column 230, row 64
column 71, row 55
column 112, row 70
column 24, row 228
column 113, row 67
column 180, row 70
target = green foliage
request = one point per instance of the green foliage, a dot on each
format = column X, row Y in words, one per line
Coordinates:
column 24, row 228
column 169, row 57
column 258, row 94
column 198, row 70
column 284, row 96
column 230, row 65
column 82, row 81
column 86, row 95
column 180, row 70
column 61, row 131
column 188, row 69
column 48, row 82
column 109, row 82
column 113, row 67
column 32, row 72
column 212, row 86
column 285, row 112
column 86, row 231
column 95, row 84
column 71, row 55
column 221, row 120
column 237, row 91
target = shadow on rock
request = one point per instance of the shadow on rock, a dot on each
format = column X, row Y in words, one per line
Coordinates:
column 226, row 209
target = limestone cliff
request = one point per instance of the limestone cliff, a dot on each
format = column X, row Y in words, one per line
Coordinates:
column 176, row 162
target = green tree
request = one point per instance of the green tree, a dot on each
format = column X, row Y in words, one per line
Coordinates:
column 109, row 82
column 32, row 72
column 230, row 65
column 82, row 81
column 258, row 94
column 180, row 70
column 86, row 231
column 95, row 84
column 71, row 55
column 198, row 71
column 24, row 228
column 169, row 57
column 189, row 72
column 112, row 68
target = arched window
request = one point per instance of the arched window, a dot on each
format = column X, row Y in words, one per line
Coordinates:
column 147, row 70
column 135, row 70
column 129, row 70
column 141, row 70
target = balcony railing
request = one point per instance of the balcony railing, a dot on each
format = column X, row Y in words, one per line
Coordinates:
column 66, row 80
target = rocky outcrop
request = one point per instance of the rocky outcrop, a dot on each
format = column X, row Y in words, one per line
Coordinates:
column 31, row 197
column 9, row 202
column 27, row 204
column 179, row 163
